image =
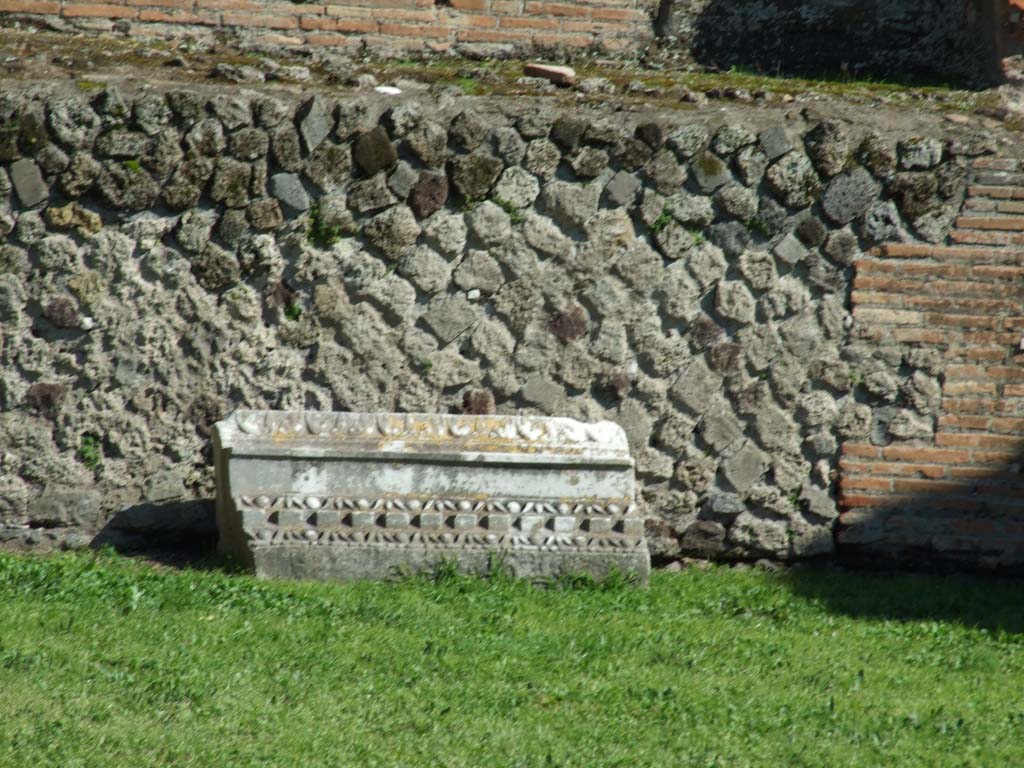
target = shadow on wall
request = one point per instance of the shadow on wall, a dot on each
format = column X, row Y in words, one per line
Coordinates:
column 934, row 508
column 902, row 41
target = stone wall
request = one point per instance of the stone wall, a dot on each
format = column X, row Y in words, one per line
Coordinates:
column 358, row 27
column 891, row 39
column 171, row 257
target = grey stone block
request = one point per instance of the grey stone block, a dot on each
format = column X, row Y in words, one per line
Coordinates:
column 315, row 122
column 29, row 185
column 775, row 142
column 790, row 250
column 621, row 191
column 745, row 467
column 696, row 386
column 686, row 141
column 849, row 196
column 403, row 179
column 60, row 506
column 287, row 187
column 710, row 172
column 449, row 316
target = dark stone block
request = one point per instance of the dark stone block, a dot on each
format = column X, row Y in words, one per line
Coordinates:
column 428, row 195
column 373, row 151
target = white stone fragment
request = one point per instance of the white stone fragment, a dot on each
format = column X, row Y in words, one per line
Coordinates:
column 347, row 496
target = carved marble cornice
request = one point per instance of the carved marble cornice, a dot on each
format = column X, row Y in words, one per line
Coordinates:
column 411, row 432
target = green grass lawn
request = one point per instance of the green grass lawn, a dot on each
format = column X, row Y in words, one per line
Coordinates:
column 107, row 662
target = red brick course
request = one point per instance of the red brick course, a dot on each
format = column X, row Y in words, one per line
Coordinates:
column 29, row 6
column 609, row 26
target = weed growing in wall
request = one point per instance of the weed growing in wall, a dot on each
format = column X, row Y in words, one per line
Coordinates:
column 90, row 452
column 757, row 226
column 469, row 86
column 514, row 214
column 662, row 221
column 320, row 233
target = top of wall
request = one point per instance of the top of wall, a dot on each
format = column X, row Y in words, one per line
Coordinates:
column 379, row 27
column 47, row 64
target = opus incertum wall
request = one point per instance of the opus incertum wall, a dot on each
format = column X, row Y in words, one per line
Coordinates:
column 172, row 257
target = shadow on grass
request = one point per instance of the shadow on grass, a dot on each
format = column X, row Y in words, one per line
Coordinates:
column 176, row 534
column 982, row 602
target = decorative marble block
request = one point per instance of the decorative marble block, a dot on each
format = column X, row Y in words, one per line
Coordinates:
column 345, row 496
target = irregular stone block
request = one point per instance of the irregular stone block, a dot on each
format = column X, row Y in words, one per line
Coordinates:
column 392, row 231
column 730, row 138
column 29, row 185
column 793, row 180
column 448, row 316
column 345, row 496
column 474, row 175
column 370, row 195
column 288, row 189
column 374, row 152
column 622, row 189
column 429, row 142
column 402, row 180
column 920, row 153
column 745, row 467
column 775, row 142
column 828, row 147
column 428, row 194
column 315, row 122
column 60, row 506
column 686, row 141
column 73, row 123
column 710, row 172
column 572, row 204
column 849, row 196
column 469, row 129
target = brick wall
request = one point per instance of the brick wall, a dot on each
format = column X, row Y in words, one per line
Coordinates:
column 955, row 312
column 382, row 26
